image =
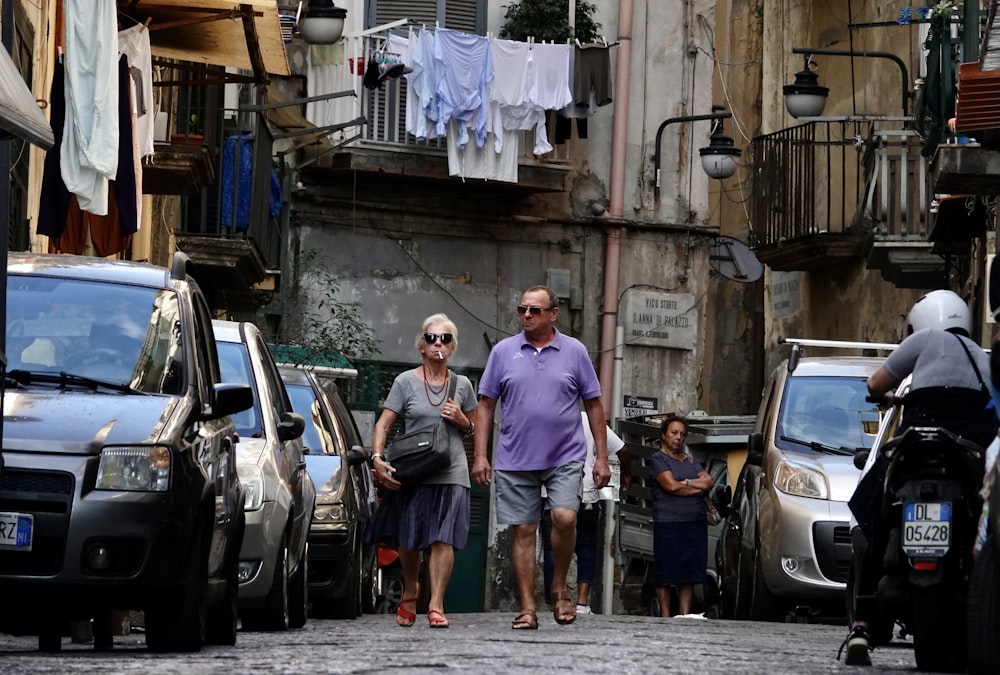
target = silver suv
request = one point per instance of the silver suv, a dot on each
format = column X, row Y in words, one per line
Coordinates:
column 786, row 543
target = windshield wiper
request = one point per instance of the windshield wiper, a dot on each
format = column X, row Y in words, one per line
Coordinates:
column 819, row 447
column 64, row 379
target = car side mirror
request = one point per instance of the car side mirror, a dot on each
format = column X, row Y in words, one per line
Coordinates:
column 861, row 458
column 229, row 399
column 755, row 449
column 291, row 426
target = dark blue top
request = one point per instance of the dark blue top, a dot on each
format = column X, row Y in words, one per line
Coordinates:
column 669, row 507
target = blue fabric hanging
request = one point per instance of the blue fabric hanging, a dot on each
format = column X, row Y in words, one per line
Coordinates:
column 245, row 187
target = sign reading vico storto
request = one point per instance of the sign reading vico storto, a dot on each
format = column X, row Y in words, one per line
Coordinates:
column 660, row 319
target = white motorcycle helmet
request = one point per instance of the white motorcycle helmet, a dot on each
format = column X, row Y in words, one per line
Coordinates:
column 941, row 310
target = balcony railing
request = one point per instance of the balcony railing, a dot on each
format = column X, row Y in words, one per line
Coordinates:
column 846, row 179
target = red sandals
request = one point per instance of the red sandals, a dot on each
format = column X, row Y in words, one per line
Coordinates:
column 405, row 617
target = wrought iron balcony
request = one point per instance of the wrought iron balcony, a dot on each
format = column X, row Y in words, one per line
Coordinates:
column 846, row 189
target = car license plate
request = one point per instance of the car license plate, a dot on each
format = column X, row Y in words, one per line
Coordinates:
column 926, row 528
column 16, row 530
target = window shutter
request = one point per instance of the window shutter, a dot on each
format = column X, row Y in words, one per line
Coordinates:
column 468, row 16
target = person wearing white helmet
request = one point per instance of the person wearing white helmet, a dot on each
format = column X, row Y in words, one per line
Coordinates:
column 947, row 389
column 949, row 370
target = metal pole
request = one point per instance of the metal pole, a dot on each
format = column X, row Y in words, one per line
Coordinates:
column 808, row 51
column 7, row 38
column 611, row 505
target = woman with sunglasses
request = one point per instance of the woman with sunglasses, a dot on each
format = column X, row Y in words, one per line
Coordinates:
column 433, row 515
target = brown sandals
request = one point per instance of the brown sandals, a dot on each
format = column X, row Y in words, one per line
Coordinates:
column 526, row 620
column 563, row 608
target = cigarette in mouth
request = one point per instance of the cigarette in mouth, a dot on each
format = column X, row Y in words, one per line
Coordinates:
column 439, row 356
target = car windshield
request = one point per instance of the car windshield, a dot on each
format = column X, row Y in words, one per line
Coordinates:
column 830, row 412
column 234, row 364
column 113, row 333
column 315, row 437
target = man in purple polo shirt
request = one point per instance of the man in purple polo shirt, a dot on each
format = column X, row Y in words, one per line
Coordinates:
column 540, row 377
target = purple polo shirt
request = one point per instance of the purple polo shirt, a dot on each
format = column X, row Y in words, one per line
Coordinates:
column 539, row 393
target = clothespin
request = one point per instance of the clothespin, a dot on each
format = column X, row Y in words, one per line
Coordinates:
column 605, row 41
column 145, row 24
column 59, row 49
column 578, row 43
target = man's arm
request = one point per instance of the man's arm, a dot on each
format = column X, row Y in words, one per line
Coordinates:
column 598, row 427
column 881, row 382
column 482, row 474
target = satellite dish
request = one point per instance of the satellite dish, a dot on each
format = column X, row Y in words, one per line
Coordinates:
column 734, row 260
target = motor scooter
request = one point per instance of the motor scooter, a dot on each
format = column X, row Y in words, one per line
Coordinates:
column 922, row 529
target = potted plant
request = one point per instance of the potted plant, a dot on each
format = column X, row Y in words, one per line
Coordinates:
column 194, row 135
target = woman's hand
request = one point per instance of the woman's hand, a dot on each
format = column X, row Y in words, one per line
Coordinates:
column 453, row 413
column 383, row 473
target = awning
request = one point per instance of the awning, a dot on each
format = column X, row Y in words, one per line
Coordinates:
column 229, row 33
column 329, row 362
column 20, row 116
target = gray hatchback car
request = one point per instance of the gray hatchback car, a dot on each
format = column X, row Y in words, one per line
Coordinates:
column 119, row 477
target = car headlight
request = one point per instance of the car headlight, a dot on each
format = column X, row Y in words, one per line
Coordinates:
column 802, row 482
column 329, row 513
column 142, row 469
column 252, row 479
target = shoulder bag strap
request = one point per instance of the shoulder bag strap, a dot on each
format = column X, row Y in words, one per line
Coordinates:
column 454, row 383
column 982, row 384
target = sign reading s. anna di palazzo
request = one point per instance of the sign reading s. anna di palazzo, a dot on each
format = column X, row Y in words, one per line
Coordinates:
column 655, row 319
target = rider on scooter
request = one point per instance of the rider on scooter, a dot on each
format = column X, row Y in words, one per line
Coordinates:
column 948, row 390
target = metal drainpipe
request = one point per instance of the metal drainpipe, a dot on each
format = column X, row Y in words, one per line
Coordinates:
column 612, row 266
column 613, row 233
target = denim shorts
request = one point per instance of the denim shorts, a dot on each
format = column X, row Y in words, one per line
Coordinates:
column 519, row 493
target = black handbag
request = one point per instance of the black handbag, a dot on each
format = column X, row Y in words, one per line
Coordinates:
column 418, row 454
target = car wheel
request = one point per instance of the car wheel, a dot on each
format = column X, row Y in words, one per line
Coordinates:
column 178, row 624
column 298, row 594
column 763, row 605
column 350, row 605
column 274, row 616
column 223, row 619
column 983, row 611
column 391, row 592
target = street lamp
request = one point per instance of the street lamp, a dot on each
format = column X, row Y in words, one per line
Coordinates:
column 323, row 23
column 718, row 159
column 805, row 98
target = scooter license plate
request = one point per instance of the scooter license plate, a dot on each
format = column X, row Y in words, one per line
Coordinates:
column 926, row 528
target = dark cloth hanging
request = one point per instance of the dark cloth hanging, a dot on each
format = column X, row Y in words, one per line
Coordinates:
column 592, row 72
column 54, row 198
column 564, row 128
column 59, row 215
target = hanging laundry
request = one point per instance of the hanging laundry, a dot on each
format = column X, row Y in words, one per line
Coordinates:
column 133, row 42
column 90, row 140
column 508, row 92
column 421, row 104
column 471, row 161
column 60, row 215
column 465, row 70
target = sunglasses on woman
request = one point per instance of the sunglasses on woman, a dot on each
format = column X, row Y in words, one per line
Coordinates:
column 431, row 338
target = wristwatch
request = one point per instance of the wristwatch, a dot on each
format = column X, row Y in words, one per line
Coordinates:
column 687, row 481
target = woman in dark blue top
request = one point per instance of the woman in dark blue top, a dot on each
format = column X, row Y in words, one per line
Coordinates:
column 680, row 529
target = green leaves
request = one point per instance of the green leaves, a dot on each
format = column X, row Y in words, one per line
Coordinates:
column 549, row 20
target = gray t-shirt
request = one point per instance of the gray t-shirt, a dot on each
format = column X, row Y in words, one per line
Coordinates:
column 936, row 359
column 408, row 399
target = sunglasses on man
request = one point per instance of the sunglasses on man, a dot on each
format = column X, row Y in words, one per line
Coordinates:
column 534, row 311
column 431, row 338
